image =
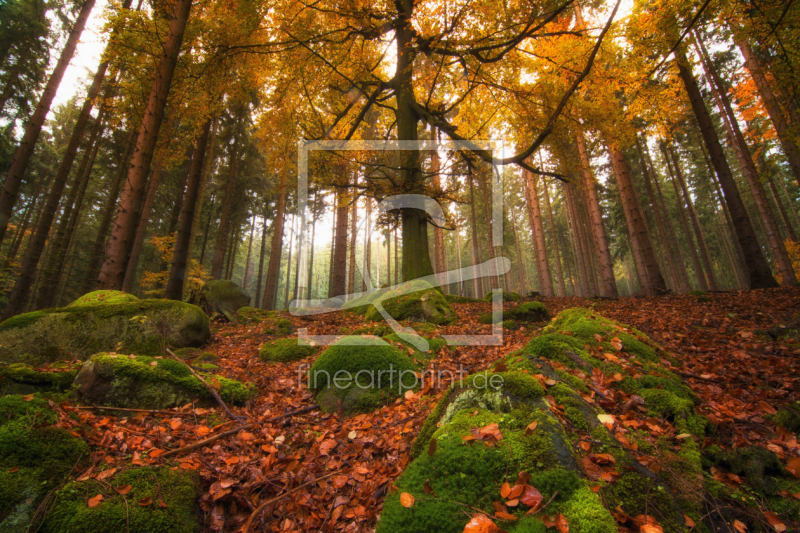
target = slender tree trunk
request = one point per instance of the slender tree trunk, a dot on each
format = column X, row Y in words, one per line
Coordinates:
column 520, row 260
column 10, row 191
column 233, row 248
column 782, row 128
column 351, row 270
column 98, row 249
column 247, row 269
column 460, row 291
column 181, row 251
column 112, row 273
column 650, row 278
column 495, row 279
column 781, row 207
column 144, row 222
column 576, row 241
column 11, row 84
column 476, row 253
column 289, row 264
column 201, row 194
column 261, row 260
column 562, row 290
column 740, row 263
column 311, row 250
column 677, row 259
column 20, row 235
column 438, row 233
column 737, row 141
column 396, row 262
column 273, row 268
column 338, row 280
column 701, row 241
column 366, row 266
column 662, row 230
column 605, row 264
column 542, row 261
column 758, row 271
column 218, row 263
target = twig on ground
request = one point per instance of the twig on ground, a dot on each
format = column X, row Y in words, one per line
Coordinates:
column 211, row 389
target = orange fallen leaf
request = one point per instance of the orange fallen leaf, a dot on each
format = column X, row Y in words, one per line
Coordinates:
column 531, row 427
column 505, row 490
column 793, row 466
column 144, row 502
column 105, row 474
column 95, row 501
column 482, row 524
column 124, row 489
column 689, row 521
column 12, row 470
column 407, row 500
column 775, row 522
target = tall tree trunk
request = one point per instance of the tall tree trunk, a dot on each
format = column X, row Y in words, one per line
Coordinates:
column 396, row 262
column 758, row 271
column 576, row 241
column 542, row 262
column 228, row 204
column 776, row 115
column 698, row 231
column 476, row 252
column 274, row 266
column 10, row 191
column 247, row 269
column 98, row 249
column 261, row 254
column 680, row 267
column 604, row 262
column 351, row 270
column 180, row 250
column 289, row 265
column 366, row 266
column 562, row 290
column 650, row 278
column 112, row 273
column 737, row 141
column 698, row 268
column 740, row 262
column 201, row 194
column 670, row 254
column 438, row 232
column 144, row 222
column 523, row 290
column 787, row 221
column 488, row 218
column 337, row 283
column 311, row 248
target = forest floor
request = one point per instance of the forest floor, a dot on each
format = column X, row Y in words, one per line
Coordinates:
column 321, row 472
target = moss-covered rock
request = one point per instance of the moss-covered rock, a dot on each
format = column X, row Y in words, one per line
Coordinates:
column 220, row 296
column 285, row 350
column 148, row 383
column 789, row 417
column 416, row 301
column 34, row 458
column 456, row 299
column 77, row 331
column 698, row 292
column 277, row 326
column 526, row 312
column 505, row 296
column 19, row 378
column 356, row 375
column 104, row 297
column 177, row 490
column 251, row 314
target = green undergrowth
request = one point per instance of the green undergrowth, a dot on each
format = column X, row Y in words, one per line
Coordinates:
column 251, row 314
column 34, row 457
column 178, row 491
column 285, row 350
column 19, row 378
column 457, row 299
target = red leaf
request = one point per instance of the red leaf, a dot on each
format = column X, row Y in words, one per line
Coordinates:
column 124, row 489
column 531, row 497
column 95, row 501
column 481, row 523
column 144, row 502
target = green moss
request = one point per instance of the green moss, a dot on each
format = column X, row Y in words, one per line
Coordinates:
column 506, row 296
column 430, row 425
column 285, row 350
column 789, row 417
column 141, row 381
column 363, row 303
column 678, row 410
column 417, row 301
column 698, row 292
column 517, row 384
column 14, row 409
column 22, row 374
column 105, row 296
column 634, row 346
column 554, row 347
column 178, row 490
column 251, row 314
column 574, row 382
column 528, row 312
column 585, row 513
column 456, row 299
column 434, row 345
column 23, row 320
column 379, row 330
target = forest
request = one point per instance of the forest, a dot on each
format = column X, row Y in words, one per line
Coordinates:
column 566, row 230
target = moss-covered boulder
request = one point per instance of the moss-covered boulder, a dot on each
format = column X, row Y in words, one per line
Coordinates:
column 526, row 312
column 77, row 331
column 355, row 375
column 457, row 299
column 19, row 378
column 277, row 326
column 251, row 314
column 416, row 301
column 539, row 420
column 34, row 458
column 104, row 297
column 220, row 296
column 285, row 350
column 160, row 501
column 505, row 296
column 150, row 383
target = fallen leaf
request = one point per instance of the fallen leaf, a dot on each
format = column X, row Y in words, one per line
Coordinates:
column 775, row 522
column 406, row 499
column 432, row 447
column 124, row 489
column 505, row 490
column 531, row 497
column 689, row 521
column 95, row 501
column 12, row 470
column 326, row 446
column 481, row 523
column 105, row 474
column 144, row 502
column 739, row 526
column 793, row 466
column 531, row 427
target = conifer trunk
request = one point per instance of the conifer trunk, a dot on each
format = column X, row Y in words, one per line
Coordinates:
column 273, row 268
column 10, row 191
column 520, row 260
column 542, row 262
column 351, row 270
column 603, row 255
column 247, row 269
column 476, row 252
column 261, row 254
column 562, row 290
column 180, row 251
column 228, row 201
column 338, row 279
column 758, row 271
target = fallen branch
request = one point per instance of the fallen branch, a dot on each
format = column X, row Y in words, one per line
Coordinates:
column 130, row 410
column 282, row 496
column 211, row 389
column 200, row 444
